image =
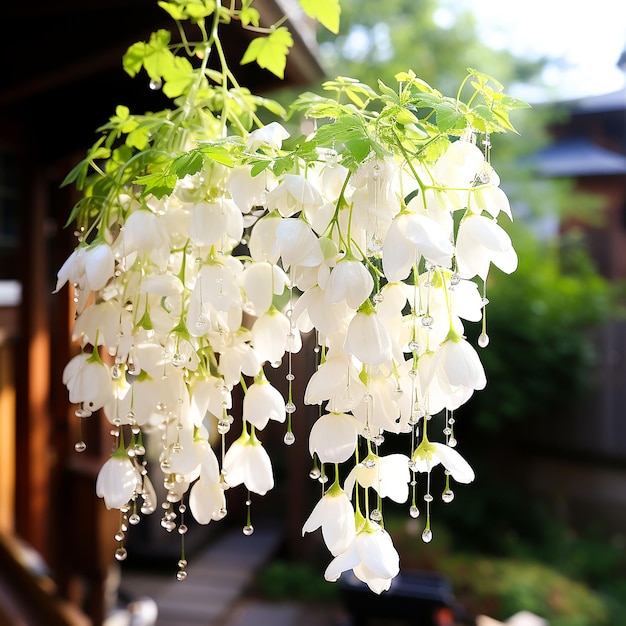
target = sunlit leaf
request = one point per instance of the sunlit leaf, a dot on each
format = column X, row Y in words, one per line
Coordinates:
column 270, row 52
column 327, row 12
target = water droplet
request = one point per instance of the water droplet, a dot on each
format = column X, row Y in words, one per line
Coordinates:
column 134, row 519
column 178, row 360
column 182, row 508
column 452, row 442
column 120, row 536
column 155, row 84
column 414, row 346
column 447, row 496
column 289, row 438
column 455, row 279
column 182, row 529
column 121, row 554
column 369, row 463
column 447, row 431
column 427, row 535
column 428, row 497
column 451, row 420
column 80, row 446
column 323, row 479
column 315, row 473
column 376, row 515
column 379, row 440
column 116, row 372
column 290, row 377
column 222, row 513
column 223, row 427
column 290, row 407
column 248, row 530
column 414, row 512
column 483, row 340
column 81, row 412
column 182, row 563
column 378, row 298
column 374, row 243
column 427, row 321
column 181, row 575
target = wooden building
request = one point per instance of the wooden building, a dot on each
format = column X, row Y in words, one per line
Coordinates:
column 61, row 79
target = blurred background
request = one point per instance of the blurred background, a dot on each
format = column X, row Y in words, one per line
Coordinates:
column 542, row 527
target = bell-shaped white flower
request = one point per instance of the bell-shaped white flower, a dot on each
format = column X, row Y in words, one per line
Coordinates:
column 480, row 242
column 457, row 363
column 217, row 222
column 118, row 480
column 271, row 136
column 372, row 557
column 263, row 402
column 489, row 198
column 260, row 282
column 297, row 244
column 430, row 453
column 207, row 501
column 88, row 381
column 335, row 515
column 294, row 193
column 238, row 358
column 409, row 237
column 144, row 233
column 99, row 265
column 333, row 437
column 247, row 462
column 459, row 165
column 270, row 334
column 368, row 338
column 388, row 475
column 349, row 281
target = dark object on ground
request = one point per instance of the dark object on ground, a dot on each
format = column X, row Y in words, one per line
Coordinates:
column 416, row 598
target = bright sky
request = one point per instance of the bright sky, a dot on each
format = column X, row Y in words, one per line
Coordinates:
column 589, row 37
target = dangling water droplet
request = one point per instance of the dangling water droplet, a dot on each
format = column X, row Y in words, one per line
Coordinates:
column 80, row 446
column 428, row 498
column 290, row 408
column 447, row 496
column 427, row 321
column 379, row 440
column 248, row 530
column 223, row 427
column 369, row 463
column 221, row 514
column 452, row 442
column 155, row 84
column 116, row 372
column 414, row 346
column 414, row 512
column 376, row 515
column 178, row 360
column 323, row 479
column 374, row 243
column 315, row 473
column 120, row 536
column 182, row 529
column 121, row 554
column 181, row 575
column 182, row 508
column 378, row 298
column 182, row 563
column 134, row 519
column 483, row 340
column 290, row 376
column 82, row 412
column 427, row 535
column 455, row 279
column 447, row 431
column 289, row 438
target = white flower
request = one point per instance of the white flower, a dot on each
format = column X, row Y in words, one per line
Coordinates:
column 216, row 222
column 410, row 236
column 490, row 199
column 459, row 165
column 144, row 233
column 334, row 513
column 261, row 282
column 117, row 481
column 371, row 556
column 480, row 242
column 333, row 437
column 88, row 381
column 297, row 244
column 270, row 135
column 263, row 402
column 368, row 339
column 207, row 501
column 349, row 280
column 270, row 334
column 388, row 475
column 246, row 462
column 294, row 193
column 99, row 265
column 457, row 363
column 430, row 453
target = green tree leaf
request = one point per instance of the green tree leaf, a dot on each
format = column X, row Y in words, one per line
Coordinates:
column 270, row 52
column 327, row 12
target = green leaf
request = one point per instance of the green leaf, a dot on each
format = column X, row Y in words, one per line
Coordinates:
column 220, row 154
column 138, row 138
column 154, row 56
column 187, row 164
column 178, row 77
column 158, row 184
column 327, row 12
column 270, row 52
column 250, row 15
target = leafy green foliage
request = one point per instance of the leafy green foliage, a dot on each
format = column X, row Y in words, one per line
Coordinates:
column 270, row 52
column 326, row 11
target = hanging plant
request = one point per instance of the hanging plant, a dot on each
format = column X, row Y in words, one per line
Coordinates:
column 209, row 243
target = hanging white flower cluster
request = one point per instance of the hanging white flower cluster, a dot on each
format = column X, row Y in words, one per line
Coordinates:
column 212, row 257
